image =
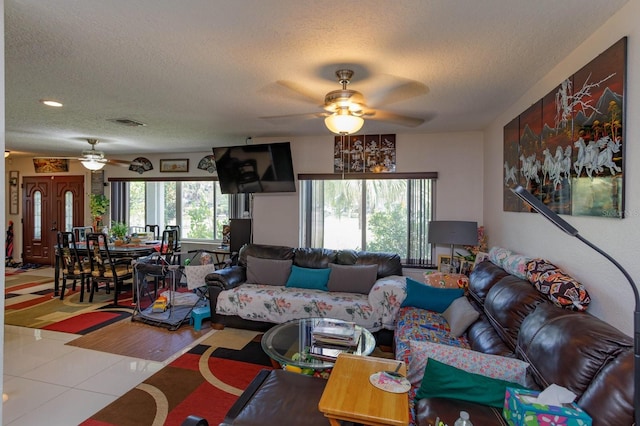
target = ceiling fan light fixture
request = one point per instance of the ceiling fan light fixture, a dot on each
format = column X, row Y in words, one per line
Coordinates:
column 51, row 103
column 92, row 164
column 343, row 123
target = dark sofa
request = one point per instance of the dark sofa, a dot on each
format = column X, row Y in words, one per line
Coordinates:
column 571, row 349
column 388, row 265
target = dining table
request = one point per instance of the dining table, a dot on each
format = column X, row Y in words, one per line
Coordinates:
column 133, row 251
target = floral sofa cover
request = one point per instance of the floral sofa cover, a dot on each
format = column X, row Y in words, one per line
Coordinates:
column 275, row 284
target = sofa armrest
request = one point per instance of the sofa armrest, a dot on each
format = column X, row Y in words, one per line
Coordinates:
column 223, row 279
column 385, row 297
column 227, row 278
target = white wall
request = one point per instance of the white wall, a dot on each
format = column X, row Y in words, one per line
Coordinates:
column 455, row 156
column 532, row 235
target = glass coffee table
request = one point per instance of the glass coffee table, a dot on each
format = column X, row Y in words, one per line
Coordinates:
column 289, row 343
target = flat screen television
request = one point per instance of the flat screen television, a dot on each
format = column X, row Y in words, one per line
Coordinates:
column 255, row 168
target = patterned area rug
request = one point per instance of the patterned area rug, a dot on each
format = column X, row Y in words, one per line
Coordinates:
column 29, row 302
column 205, row 382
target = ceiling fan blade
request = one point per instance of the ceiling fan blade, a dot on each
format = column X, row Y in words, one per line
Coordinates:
column 391, row 117
column 298, row 92
column 43, row 157
column 285, row 117
column 406, row 90
column 123, row 162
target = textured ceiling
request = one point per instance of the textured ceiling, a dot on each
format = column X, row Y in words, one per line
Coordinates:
column 201, row 73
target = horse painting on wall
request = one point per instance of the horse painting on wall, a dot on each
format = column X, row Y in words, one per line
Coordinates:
column 571, row 143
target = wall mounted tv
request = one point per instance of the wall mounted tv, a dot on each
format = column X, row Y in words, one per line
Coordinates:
column 255, row 168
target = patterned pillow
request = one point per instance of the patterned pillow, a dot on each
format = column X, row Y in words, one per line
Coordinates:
column 562, row 289
column 494, row 366
column 516, row 264
column 497, row 255
column 439, row 279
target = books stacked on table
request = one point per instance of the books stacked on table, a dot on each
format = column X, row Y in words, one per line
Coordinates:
column 330, row 338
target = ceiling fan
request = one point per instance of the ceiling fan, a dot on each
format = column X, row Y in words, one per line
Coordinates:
column 349, row 105
column 93, row 159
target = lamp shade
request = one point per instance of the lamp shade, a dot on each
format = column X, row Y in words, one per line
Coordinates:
column 453, row 232
column 93, row 165
column 343, row 123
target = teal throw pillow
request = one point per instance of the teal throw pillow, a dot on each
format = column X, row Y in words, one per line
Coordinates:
column 444, row 381
column 434, row 299
column 309, row 278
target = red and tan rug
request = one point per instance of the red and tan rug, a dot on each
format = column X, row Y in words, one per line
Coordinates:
column 29, row 302
column 205, row 382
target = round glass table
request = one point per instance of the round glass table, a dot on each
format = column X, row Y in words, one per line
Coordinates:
column 290, row 343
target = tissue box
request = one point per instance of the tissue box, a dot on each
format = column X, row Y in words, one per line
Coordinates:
column 518, row 412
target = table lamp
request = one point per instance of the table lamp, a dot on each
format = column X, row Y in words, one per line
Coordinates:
column 554, row 218
column 453, row 232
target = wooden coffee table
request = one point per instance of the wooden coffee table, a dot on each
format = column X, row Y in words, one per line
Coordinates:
column 350, row 396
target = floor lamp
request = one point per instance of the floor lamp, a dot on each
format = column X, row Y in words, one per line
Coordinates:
column 453, row 232
column 553, row 217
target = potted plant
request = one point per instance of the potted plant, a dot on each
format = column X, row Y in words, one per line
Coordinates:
column 98, row 205
column 119, row 230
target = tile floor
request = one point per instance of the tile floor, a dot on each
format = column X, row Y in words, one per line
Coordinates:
column 48, row 383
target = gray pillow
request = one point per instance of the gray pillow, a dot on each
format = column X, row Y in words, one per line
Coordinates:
column 460, row 315
column 352, row 278
column 268, row 271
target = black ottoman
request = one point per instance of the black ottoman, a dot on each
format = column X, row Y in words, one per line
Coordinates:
column 278, row 397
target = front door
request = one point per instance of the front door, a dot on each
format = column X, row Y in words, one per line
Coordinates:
column 50, row 204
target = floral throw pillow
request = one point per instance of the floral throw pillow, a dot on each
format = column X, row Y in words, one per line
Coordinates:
column 562, row 289
column 497, row 255
column 516, row 264
column 494, row 366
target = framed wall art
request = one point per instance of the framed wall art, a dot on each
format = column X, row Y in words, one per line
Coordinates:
column 569, row 146
column 364, row 153
column 177, row 165
column 13, row 192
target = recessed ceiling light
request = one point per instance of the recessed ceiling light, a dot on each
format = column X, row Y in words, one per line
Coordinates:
column 51, row 103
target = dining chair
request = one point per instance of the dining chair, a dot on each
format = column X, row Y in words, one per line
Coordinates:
column 136, row 229
column 153, row 228
column 80, row 232
column 106, row 268
column 155, row 267
column 72, row 264
column 176, row 227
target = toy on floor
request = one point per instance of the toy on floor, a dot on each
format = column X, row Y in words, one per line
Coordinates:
column 160, row 304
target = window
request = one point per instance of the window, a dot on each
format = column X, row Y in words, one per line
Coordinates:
column 198, row 207
column 377, row 213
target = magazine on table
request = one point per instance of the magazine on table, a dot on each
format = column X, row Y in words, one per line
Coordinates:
column 337, row 341
column 334, row 329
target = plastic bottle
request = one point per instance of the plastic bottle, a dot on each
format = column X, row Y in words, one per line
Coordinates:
column 463, row 420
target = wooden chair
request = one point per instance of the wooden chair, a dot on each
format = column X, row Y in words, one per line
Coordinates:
column 72, row 265
column 80, row 232
column 173, row 227
column 136, row 229
column 105, row 268
column 153, row 228
column 155, row 266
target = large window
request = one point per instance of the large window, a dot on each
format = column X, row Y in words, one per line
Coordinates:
column 376, row 214
column 198, row 207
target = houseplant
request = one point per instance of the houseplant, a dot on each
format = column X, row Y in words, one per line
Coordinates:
column 119, row 230
column 98, row 205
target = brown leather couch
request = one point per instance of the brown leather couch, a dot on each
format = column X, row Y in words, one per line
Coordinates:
column 231, row 277
column 571, row 349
